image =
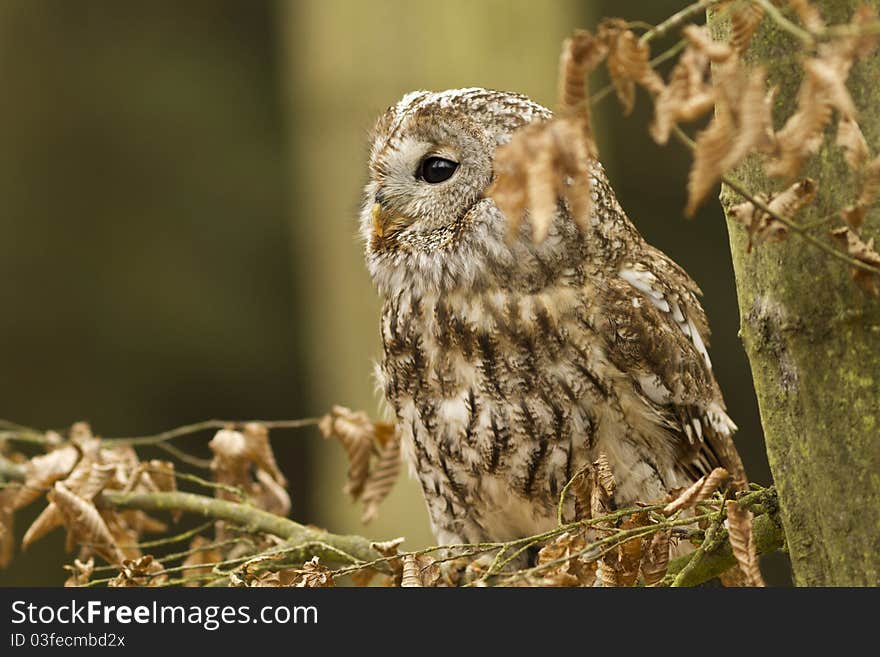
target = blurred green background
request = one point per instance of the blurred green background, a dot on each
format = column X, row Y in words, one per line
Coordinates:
column 179, row 184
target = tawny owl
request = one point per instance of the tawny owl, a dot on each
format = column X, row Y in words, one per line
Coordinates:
column 510, row 364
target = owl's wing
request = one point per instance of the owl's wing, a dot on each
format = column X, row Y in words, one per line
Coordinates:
column 658, row 331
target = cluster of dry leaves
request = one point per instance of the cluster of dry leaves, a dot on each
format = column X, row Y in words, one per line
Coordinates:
column 71, row 477
column 75, row 471
column 545, row 163
column 572, row 559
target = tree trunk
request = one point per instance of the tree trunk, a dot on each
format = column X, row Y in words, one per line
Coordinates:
column 813, row 340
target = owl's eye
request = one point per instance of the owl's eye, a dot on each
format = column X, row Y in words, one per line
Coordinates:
column 436, row 169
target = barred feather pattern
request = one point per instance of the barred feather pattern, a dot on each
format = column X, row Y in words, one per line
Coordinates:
column 511, row 364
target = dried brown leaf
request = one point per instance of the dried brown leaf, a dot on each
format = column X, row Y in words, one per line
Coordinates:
column 230, row 465
column 655, row 557
column 80, row 572
column 742, row 541
column 604, row 475
column 830, row 81
column 701, row 490
column 608, row 571
column 356, row 433
column 864, row 252
column 543, row 163
column 49, row 519
column 162, row 474
column 574, row 568
column 712, row 146
column 388, row 548
column 410, row 576
column 629, row 553
column 627, row 62
column 802, row 134
column 795, row 197
column 753, row 118
column 762, row 225
column 44, row 470
column 852, row 141
column 83, row 522
column 382, row 477
column 85, row 481
column 7, row 525
column 742, row 125
column 581, row 53
column 313, row 574
column 745, row 19
column 270, row 495
column 259, row 449
column 686, row 97
column 541, row 190
column 143, row 571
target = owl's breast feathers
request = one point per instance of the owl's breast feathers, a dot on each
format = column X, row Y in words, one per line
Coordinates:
column 502, row 395
column 511, row 364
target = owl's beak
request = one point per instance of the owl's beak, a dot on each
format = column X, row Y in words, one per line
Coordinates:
column 384, row 222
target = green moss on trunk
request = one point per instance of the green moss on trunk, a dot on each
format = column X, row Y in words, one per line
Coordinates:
column 813, row 340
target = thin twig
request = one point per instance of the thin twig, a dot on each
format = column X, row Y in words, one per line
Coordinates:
column 207, row 425
column 676, row 20
column 773, row 12
column 195, row 461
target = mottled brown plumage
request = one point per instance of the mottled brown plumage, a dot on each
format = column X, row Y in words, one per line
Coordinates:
column 509, row 364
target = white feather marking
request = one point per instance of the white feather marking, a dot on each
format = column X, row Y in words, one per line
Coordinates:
column 698, row 343
column 654, row 389
column 677, row 315
column 644, row 281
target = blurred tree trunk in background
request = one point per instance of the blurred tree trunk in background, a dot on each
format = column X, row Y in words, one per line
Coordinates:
column 347, row 61
column 813, row 339
column 144, row 264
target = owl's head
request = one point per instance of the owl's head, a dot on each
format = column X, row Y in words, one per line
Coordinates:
column 425, row 215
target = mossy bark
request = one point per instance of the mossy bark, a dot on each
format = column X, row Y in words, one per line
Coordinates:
column 813, row 340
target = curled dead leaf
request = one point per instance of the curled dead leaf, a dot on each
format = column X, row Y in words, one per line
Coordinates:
column 356, row 433
column 852, row 141
column 655, row 558
column 84, row 523
column 7, row 525
column 581, row 54
column 573, row 568
column 44, row 470
column 761, row 225
column 80, row 572
column 627, row 62
column 687, row 95
column 382, row 477
column 742, row 541
column 313, row 574
column 744, row 19
column 864, row 252
column 701, row 490
column 143, row 571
